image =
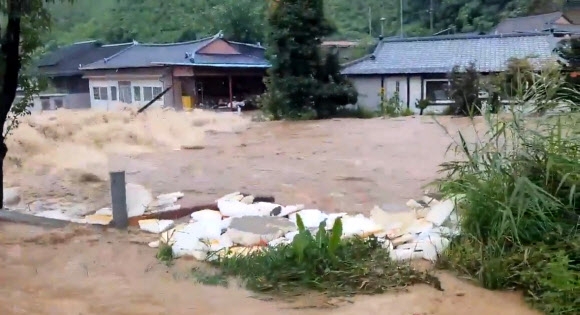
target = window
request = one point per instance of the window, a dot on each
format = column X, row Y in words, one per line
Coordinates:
column 45, row 103
column 137, row 93
column 147, row 93
column 104, row 93
column 58, row 102
column 113, row 93
column 156, row 91
column 437, row 91
column 100, row 93
column 398, row 87
column 96, row 94
column 125, row 92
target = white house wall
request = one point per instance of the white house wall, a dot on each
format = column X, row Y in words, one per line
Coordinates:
column 108, row 83
column 369, row 89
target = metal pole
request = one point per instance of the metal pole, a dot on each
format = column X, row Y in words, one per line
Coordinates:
column 431, row 15
column 401, row 17
column 119, row 200
column 370, row 23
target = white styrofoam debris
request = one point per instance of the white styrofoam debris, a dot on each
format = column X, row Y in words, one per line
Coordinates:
column 138, row 199
column 263, row 208
column 430, row 248
column 235, row 196
column 235, row 209
column 290, row 235
column 11, row 196
column 404, row 254
column 279, row 241
column 225, row 223
column 310, row 217
column 359, row 225
column 420, row 226
column 205, row 215
column 220, row 243
column 332, row 218
column 430, row 201
column 194, row 239
column 440, row 212
column 104, row 211
column 402, row 239
column 154, row 244
column 287, row 210
column 248, row 199
column 177, row 195
column 413, row 204
column 155, row 226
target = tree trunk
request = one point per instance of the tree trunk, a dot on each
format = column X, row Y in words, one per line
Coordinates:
column 10, row 53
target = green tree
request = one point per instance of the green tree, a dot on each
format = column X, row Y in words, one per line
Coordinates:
column 464, row 90
column 300, row 80
column 25, row 21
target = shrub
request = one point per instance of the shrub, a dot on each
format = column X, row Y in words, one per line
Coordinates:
column 323, row 262
column 464, row 90
column 521, row 206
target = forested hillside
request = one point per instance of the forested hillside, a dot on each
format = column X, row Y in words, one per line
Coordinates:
column 244, row 20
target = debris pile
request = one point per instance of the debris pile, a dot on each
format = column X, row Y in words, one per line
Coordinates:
column 242, row 226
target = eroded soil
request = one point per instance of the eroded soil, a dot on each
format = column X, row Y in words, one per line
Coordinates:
column 346, row 165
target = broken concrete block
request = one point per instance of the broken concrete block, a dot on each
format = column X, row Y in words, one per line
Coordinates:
column 258, row 230
column 138, row 199
column 104, row 211
column 206, row 215
column 11, row 196
column 310, row 217
column 440, row 212
column 248, row 199
column 99, row 219
column 155, row 226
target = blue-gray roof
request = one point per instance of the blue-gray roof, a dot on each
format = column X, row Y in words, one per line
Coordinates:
column 185, row 53
column 439, row 54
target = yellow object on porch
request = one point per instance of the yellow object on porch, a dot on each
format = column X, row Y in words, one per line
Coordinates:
column 187, row 102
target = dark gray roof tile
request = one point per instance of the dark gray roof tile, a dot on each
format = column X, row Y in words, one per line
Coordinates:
column 439, row 54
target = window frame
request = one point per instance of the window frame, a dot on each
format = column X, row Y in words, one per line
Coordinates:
column 437, row 102
column 96, row 93
column 145, row 98
column 114, row 93
column 137, row 93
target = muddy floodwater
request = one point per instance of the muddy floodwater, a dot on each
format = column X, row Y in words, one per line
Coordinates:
column 336, row 165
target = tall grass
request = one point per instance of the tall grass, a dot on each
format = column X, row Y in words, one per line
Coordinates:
column 520, row 182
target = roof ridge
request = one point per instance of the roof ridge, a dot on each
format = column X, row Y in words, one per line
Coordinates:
column 118, row 44
column 84, row 42
column 178, row 43
column 106, row 59
column 247, row 44
column 462, row 37
column 533, row 16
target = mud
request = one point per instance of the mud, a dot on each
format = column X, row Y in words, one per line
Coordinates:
column 346, row 165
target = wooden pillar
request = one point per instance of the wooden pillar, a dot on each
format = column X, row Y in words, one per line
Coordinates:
column 231, row 92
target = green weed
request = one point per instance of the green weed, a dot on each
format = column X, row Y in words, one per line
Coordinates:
column 521, row 205
column 323, row 262
column 165, row 253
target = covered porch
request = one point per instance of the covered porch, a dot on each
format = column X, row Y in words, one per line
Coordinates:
column 213, row 87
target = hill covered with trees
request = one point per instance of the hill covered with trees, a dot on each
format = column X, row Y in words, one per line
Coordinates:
column 117, row 21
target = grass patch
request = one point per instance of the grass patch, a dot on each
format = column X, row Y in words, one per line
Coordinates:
column 521, row 207
column 209, row 278
column 165, row 254
column 326, row 263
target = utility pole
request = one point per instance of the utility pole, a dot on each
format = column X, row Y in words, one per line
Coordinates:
column 382, row 26
column 370, row 23
column 431, row 15
column 401, row 17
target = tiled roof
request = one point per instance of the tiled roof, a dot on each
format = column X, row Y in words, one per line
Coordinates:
column 439, row 54
column 532, row 23
column 66, row 60
column 152, row 55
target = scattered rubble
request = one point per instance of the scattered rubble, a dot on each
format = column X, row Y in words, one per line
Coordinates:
column 240, row 227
